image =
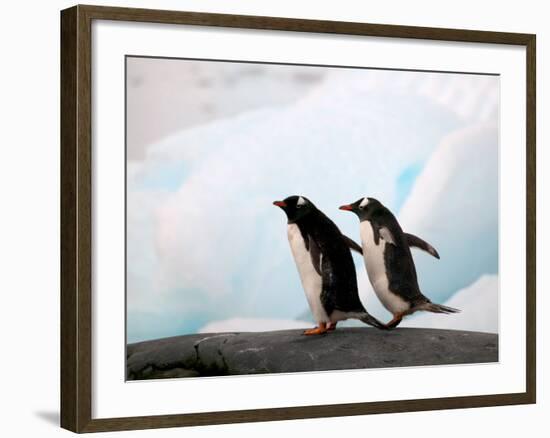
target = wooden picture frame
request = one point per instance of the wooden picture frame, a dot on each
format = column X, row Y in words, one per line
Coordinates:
column 76, row 217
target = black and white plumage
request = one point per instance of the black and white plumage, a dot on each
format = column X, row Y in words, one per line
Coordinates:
column 389, row 262
column 325, row 264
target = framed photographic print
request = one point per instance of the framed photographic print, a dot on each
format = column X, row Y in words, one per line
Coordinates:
column 261, row 208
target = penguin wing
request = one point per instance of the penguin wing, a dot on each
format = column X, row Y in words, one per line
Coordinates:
column 401, row 273
column 353, row 245
column 339, row 290
column 315, row 254
column 387, row 235
column 417, row 242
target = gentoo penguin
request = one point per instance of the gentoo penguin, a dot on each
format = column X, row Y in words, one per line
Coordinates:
column 325, row 265
column 389, row 263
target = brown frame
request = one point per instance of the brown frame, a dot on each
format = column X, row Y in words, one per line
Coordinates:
column 76, row 226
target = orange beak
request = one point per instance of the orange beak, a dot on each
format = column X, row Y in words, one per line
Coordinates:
column 346, row 207
column 279, row 203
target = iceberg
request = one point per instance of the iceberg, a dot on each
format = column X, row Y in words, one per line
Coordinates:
column 203, row 237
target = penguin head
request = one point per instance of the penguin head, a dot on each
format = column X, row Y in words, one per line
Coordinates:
column 295, row 207
column 363, row 207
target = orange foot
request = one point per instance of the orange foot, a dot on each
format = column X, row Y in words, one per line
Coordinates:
column 397, row 318
column 321, row 329
column 331, row 326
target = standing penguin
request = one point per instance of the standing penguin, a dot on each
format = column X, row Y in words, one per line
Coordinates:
column 389, row 263
column 325, row 265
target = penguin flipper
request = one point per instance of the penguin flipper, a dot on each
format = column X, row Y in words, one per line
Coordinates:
column 353, row 245
column 376, row 233
column 315, row 254
column 417, row 242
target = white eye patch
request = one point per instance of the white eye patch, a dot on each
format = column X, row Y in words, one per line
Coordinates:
column 364, row 202
column 301, row 201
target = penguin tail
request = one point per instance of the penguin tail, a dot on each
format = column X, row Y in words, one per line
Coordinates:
column 368, row 319
column 439, row 308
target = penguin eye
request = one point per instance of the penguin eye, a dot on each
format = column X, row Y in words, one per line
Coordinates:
column 363, row 204
column 301, row 202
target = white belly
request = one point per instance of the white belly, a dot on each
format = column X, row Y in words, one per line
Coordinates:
column 311, row 280
column 373, row 256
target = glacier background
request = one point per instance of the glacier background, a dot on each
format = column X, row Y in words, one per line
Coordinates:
column 211, row 144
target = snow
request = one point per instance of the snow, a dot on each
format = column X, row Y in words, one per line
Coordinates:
column 454, row 204
column 479, row 309
column 253, row 325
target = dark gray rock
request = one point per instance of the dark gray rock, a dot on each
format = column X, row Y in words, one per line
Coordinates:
column 290, row 351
